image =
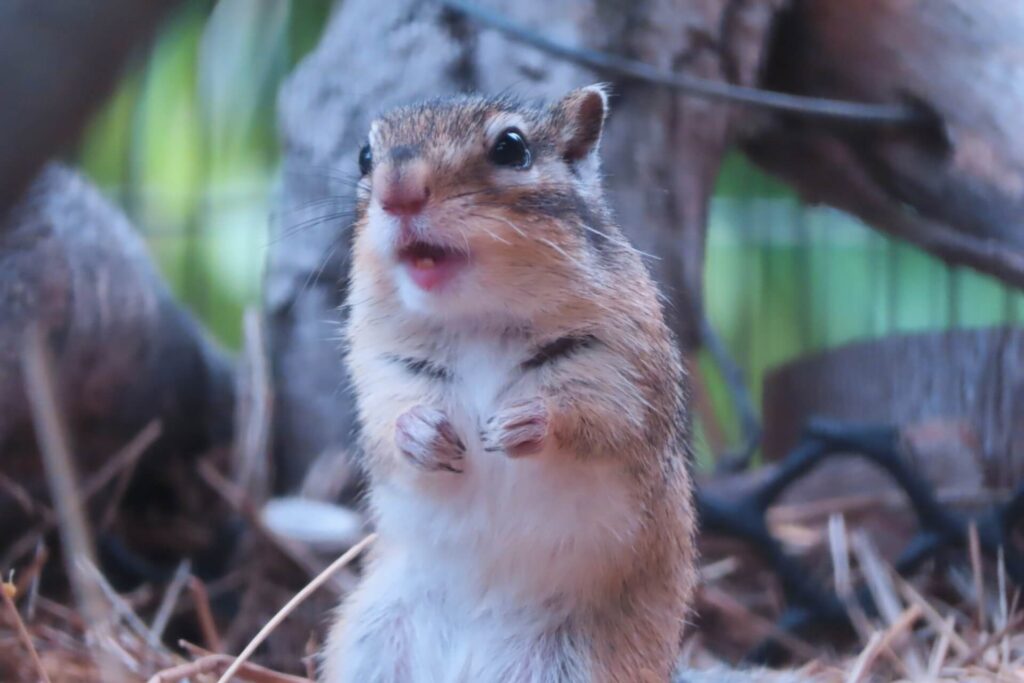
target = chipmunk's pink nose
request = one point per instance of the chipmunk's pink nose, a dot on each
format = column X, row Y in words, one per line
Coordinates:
column 404, row 198
column 404, row 186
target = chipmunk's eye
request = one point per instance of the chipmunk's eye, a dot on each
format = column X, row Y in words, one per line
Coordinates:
column 510, row 150
column 365, row 160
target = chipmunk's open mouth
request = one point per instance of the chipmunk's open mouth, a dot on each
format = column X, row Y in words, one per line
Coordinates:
column 430, row 265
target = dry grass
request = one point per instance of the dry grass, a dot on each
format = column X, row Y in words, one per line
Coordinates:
column 931, row 629
column 955, row 622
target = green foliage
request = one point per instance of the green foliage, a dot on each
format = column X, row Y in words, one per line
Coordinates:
column 188, row 146
column 740, row 178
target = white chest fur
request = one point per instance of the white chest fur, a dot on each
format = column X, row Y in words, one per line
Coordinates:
column 508, row 543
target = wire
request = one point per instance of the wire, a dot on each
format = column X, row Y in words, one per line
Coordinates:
column 857, row 112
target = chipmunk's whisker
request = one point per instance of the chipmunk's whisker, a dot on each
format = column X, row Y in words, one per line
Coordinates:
column 312, row 204
column 620, row 242
column 561, row 251
column 303, row 225
column 313, row 278
column 350, row 179
column 490, row 234
column 505, row 221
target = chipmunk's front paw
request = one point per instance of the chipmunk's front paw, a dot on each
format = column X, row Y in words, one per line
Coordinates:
column 427, row 438
column 519, row 429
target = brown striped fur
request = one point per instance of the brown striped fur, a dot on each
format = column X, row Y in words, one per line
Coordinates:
column 601, row 585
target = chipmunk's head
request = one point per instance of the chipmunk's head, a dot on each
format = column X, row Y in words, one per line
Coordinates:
column 485, row 206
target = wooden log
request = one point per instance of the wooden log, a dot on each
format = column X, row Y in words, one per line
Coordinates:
column 974, row 378
column 125, row 353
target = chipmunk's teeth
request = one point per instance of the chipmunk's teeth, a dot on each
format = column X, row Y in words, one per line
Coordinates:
column 424, row 262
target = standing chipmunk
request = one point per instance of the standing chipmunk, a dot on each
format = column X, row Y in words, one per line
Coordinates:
column 522, row 407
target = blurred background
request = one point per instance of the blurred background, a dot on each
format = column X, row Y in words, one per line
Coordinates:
column 188, row 146
column 222, row 482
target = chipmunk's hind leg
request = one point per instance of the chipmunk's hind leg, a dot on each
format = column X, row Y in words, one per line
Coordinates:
column 556, row 658
column 369, row 645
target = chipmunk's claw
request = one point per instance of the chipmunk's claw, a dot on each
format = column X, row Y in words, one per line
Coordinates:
column 519, row 429
column 426, row 437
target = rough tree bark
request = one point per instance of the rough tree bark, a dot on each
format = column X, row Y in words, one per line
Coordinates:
column 661, row 153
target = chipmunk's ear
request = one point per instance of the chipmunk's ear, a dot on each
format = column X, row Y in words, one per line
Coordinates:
column 581, row 116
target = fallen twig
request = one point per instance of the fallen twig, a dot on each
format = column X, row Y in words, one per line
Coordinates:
column 40, row 388
column 993, row 639
column 214, row 663
column 740, row 613
column 879, row 582
column 207, row 625
column 170, row 599
column 238, row 499
column 122, row 461
column 28, row 578
column 974, row 547
column 253, row 413
column 23, row 635
column 290, row 606
column 881, row 641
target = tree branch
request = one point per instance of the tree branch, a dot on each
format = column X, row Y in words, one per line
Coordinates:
column 853, row 112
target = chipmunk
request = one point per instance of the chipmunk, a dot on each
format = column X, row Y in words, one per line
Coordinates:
column 522, row 407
